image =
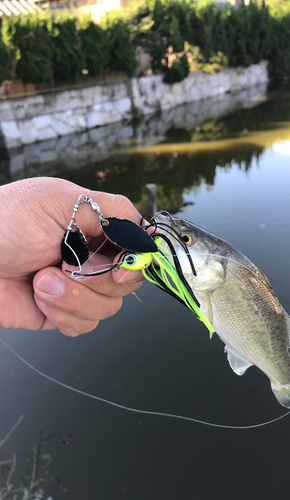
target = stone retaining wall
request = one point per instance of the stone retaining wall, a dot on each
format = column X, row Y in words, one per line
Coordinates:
column 64, row 156
column 49, row 116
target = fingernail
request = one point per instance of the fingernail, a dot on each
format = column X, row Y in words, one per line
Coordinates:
column 51, row 284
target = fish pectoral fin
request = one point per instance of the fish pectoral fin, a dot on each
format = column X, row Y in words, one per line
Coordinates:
column 237, row 364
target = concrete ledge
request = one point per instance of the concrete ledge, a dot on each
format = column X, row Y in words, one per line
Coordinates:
column 36, row 118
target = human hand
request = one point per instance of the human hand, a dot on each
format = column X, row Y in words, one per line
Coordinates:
column 35, row 293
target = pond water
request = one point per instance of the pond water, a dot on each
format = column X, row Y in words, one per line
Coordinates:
column 227, row 170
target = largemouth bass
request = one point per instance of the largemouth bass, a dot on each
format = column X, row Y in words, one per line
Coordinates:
column 238, row 301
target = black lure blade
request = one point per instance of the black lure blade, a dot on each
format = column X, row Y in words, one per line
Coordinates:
column 77, row 241
column 128, row 235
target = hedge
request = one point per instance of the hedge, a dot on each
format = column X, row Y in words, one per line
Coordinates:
column 64, row 48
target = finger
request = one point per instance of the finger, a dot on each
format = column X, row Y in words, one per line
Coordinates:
column 73, row 297
column 133, row 279
column 126, row 276
column 111, row 205
column 66, row 323
column 17, row 305
column 105, row 284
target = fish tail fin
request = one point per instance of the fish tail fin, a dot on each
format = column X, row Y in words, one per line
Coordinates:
column 282, row 394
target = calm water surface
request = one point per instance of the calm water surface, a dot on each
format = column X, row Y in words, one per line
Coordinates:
column 230, row 175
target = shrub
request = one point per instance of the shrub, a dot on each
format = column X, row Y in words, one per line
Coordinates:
column 178, row 71
column 68, row 59
column 160, row 24
column 6, row 58
column 94, row 45
column 122, row 55
column 34, row 68
column 31, row 39
column 237, row 36
column 279, row 57
column 29, row 34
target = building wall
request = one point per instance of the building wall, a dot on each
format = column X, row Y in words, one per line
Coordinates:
column 98, row 8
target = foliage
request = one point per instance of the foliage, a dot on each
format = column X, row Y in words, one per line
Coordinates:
column 238, row 36
column 31, row 39
column 217, row 61
column 6, row 58
column 122, row 55
column 29, row 34
column 63, row 48
column 34, row 68
column 279, row 66
column 159, row 25
column 277, row 8
column 68, row 59
column 248, row 31
column 38, row 472
column 178, row 71
column 94, row 45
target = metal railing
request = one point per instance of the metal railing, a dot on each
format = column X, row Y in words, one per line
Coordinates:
column 16, row 88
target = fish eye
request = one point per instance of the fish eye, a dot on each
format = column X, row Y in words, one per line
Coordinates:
column 187, row 237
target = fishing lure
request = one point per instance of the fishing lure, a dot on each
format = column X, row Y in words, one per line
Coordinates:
column 142, row 251
column 122, row 232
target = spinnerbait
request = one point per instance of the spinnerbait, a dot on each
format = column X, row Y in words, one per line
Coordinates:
column 142, row 251
column 122, row 232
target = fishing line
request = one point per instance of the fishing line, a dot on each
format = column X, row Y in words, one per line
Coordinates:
column 135, row 410
column 132, row 293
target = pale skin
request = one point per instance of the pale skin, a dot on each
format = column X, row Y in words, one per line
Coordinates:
column 35, row 291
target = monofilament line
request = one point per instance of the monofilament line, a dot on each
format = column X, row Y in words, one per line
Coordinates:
column 143, row 412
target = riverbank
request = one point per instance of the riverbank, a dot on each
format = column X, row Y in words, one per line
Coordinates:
column 68, row 155
column 43, row 117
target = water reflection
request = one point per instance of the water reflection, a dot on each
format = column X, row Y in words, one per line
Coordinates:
column 87, row 157
column 178, row 149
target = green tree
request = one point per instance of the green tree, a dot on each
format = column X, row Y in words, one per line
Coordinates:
column 122, row 55
column 159, row 24
column 178, row 71
column 94, row 45
column 279, row 57
column 68, row 59
column 278, row 8
column 6, row 58
column 31, row 39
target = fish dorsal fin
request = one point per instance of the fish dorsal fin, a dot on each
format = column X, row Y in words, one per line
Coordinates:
column 237, row 364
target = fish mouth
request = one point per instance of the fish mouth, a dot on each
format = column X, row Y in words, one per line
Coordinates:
column 173, row 244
